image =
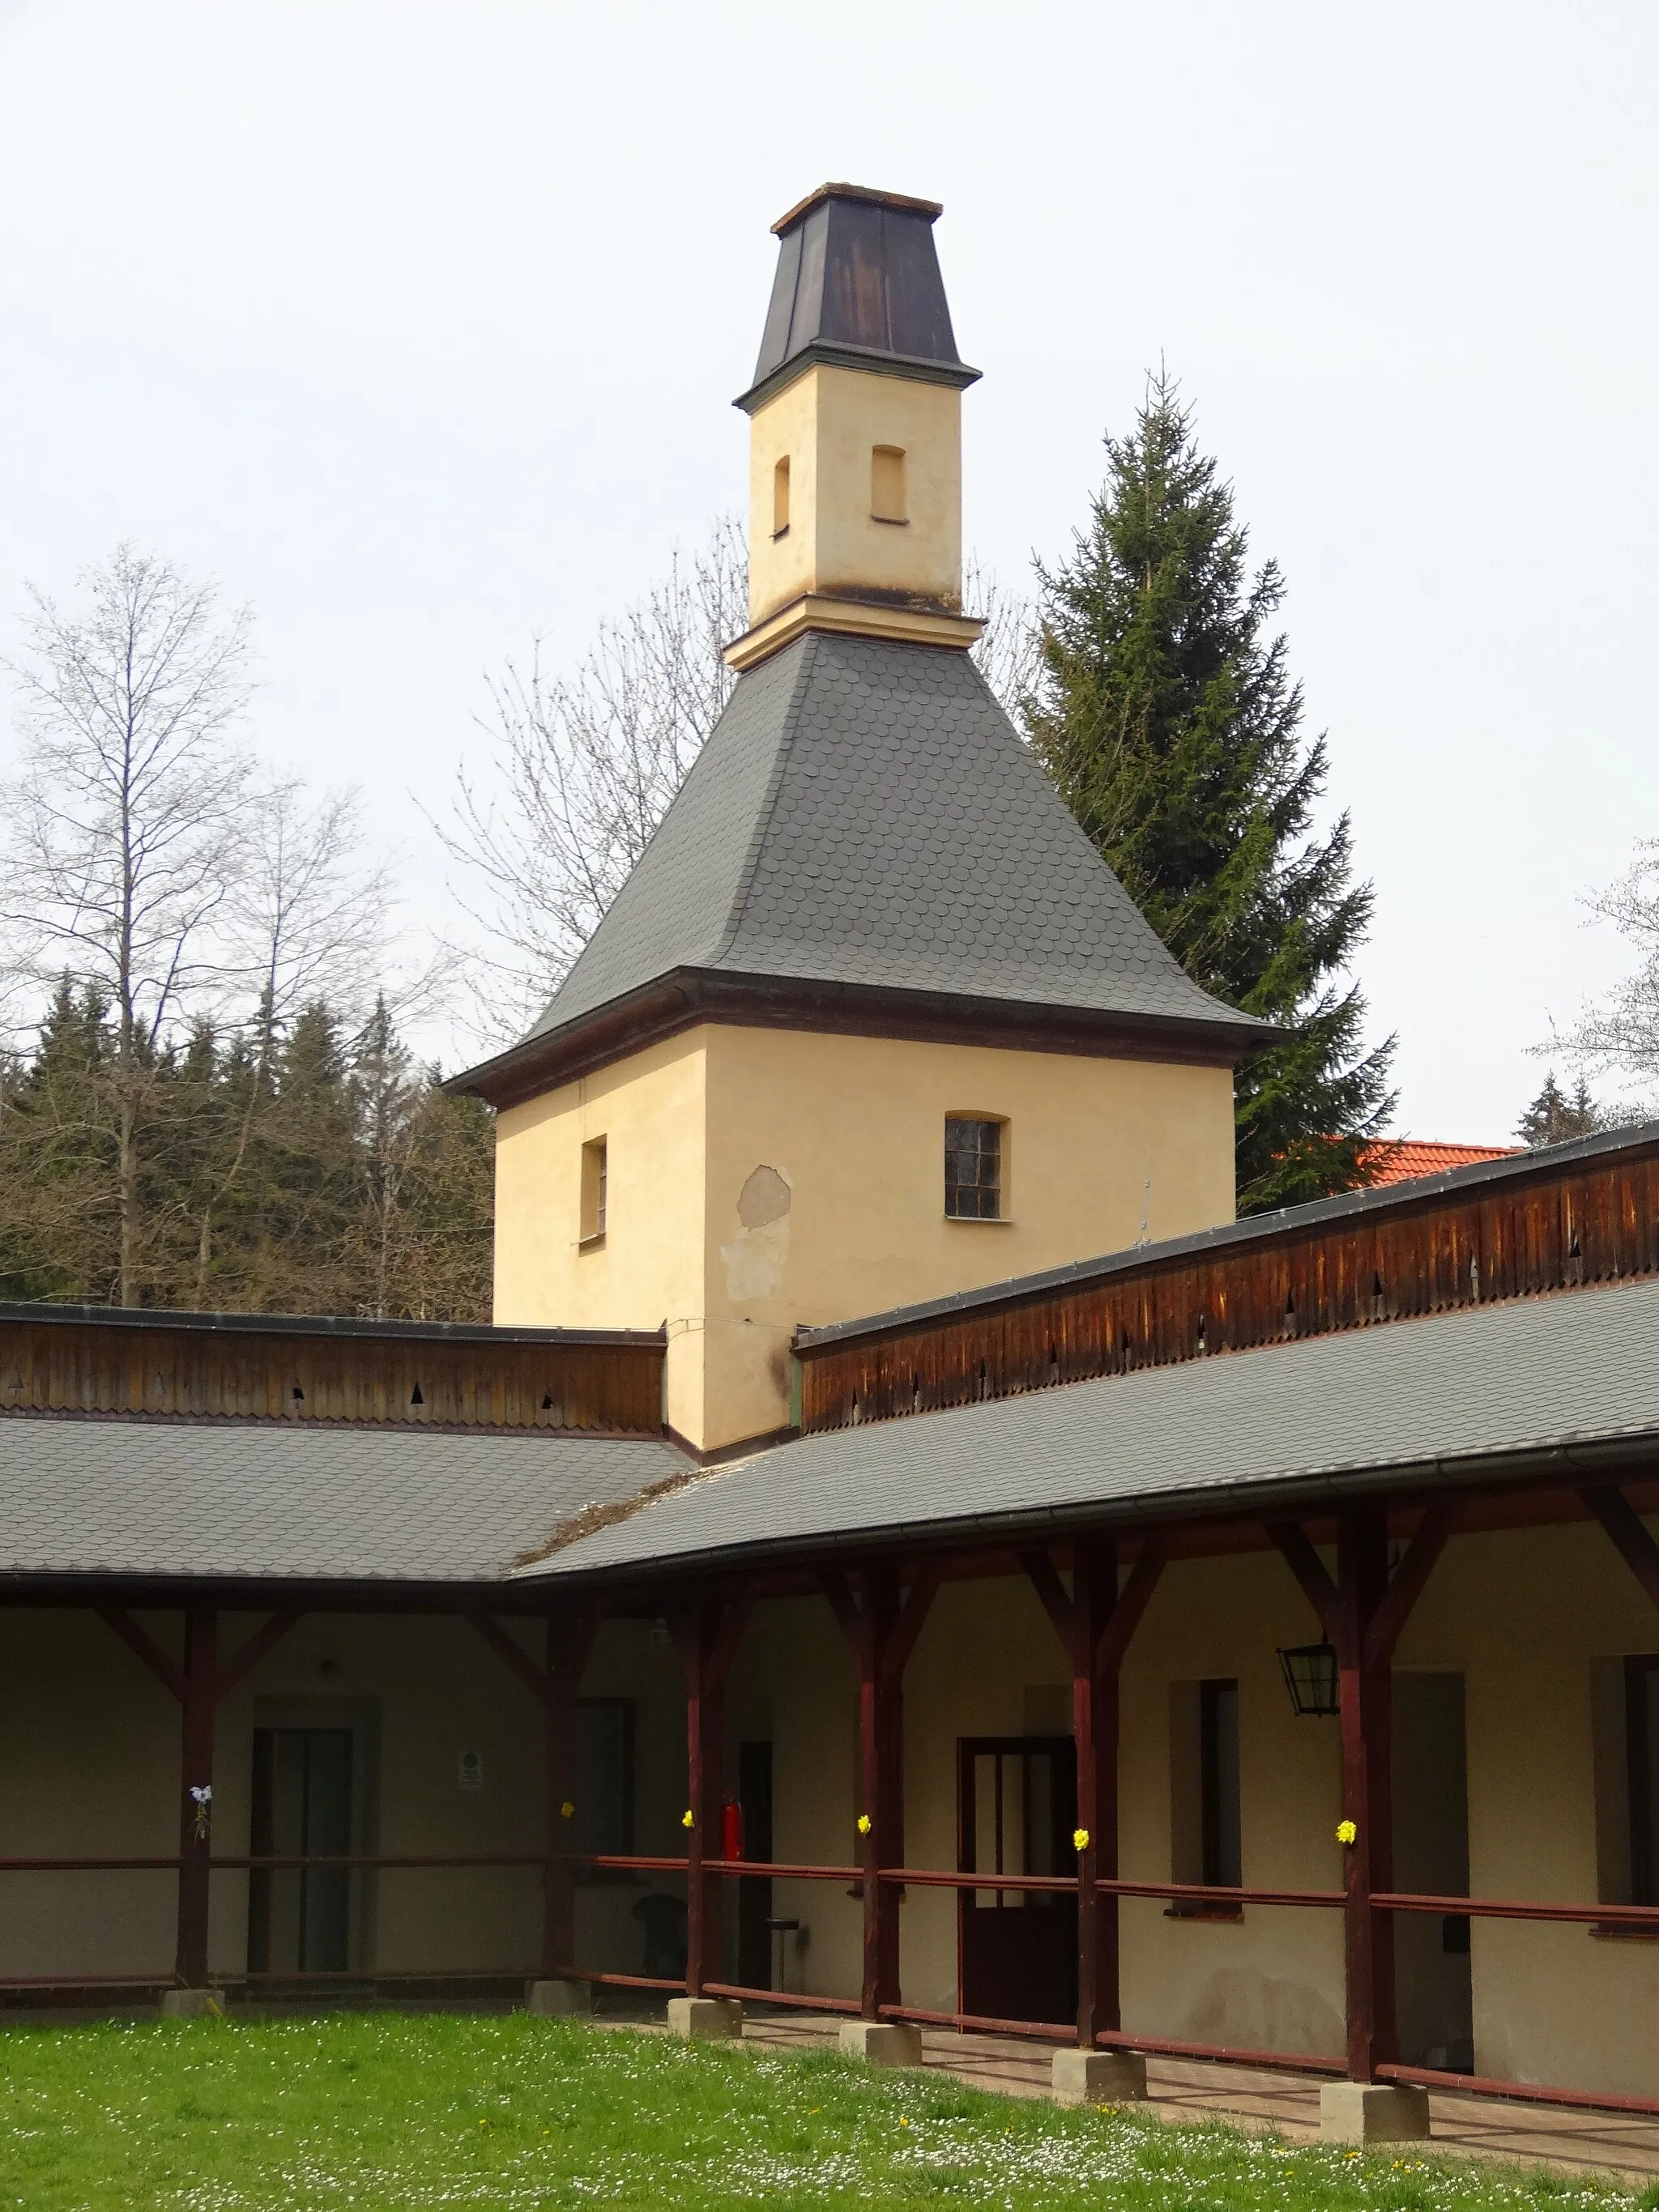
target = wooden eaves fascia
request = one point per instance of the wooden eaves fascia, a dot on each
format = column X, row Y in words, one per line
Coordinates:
column 690, row 996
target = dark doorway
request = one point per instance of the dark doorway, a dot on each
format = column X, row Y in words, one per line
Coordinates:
column 755, row 1890
column 1017, row 1807
column 1431, row 1857
column 299, row 1917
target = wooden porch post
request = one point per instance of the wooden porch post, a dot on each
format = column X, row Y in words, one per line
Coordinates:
column 1095, row 1734
column 1366, row 1694
column 200, row 1699
column 708, row 1644
column 569, row 1642
column 1362, row 1613
column 1096, row 1623
column 881, row 1786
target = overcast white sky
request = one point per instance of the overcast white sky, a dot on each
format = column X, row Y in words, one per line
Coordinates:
column 417, row 325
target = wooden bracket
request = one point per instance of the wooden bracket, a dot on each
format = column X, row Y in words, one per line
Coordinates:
column 144, row 1646
column 924, row 1588
column 1310, row 1570
column 1127, row 1614
column 1406, row 1584
column 237, row 1669
column 1040, row 1572
column 1627, row 1531
column 842, row 1603
column 511, row 1652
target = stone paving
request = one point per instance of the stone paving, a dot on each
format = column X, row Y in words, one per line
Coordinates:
column 1188, row 2090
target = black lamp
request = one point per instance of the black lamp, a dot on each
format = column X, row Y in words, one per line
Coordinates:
column 1311, row 1678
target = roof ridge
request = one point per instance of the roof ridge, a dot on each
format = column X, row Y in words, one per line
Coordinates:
column 811, row 646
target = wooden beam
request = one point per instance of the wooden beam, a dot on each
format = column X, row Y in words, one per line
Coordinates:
column 881, row 1785
column 199, row 1683
column 140, row 1642
column 253, row 1651
column 913, row 1619
column 511, row 1653
column 1309, row 1570
column 842, row 1604
column 1041, row 1573
column 1629, row 1533
column 1130, row 1609
column 1408, row 1580
column 1362, row 1543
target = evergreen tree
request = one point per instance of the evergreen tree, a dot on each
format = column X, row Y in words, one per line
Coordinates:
column 1557, row 1116
column 1170, row 723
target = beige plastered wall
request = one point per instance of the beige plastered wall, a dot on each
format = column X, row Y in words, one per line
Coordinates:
column 89, row 1747
column 826, row 423
column 1521, row 1618
column 761, row 1179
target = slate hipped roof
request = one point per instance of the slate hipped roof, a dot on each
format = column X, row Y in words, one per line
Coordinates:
column 864, row 816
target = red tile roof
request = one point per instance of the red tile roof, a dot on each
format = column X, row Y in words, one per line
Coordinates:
column 1404, row 1159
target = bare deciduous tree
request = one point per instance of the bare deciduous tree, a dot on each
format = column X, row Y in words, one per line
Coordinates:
column 119, row 830
column 583, row 768
column 1619, row 1036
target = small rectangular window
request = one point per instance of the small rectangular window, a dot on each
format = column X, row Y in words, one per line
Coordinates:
column 781, row 497
column 594, row 1195
column 973, row 1170
column 887, row 483
column 1204, row 1791
column 1642, row 1761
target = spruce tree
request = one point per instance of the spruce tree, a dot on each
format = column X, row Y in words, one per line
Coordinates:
column 1557, row 1116
column 1168, row 719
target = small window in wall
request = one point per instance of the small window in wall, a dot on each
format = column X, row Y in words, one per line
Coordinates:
column 1204, row 1788
column 973, row 1170
column 887, row 483
column 595, row 1177
column 1641, row 1767
column 781, row 497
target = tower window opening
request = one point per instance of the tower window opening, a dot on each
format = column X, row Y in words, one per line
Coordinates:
column 973, row 1170
column 595, row 1190
column 781, row 497
column 887, row 485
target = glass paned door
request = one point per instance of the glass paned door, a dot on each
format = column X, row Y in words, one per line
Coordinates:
column 1017, row 1807
column 300, row 1919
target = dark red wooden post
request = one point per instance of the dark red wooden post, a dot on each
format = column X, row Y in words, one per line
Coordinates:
column 881, row 1785
column 569, row 1642
column 1362, row 1578
column 201, row 1688
column 708, row 1644
column 1095, row 1731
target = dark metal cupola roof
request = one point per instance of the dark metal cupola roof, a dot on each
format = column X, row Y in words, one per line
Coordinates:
column 858, row 284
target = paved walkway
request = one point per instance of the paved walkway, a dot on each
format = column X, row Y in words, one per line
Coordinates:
column 1581, row 2143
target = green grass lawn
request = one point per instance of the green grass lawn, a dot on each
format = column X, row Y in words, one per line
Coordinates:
column 388, row 2109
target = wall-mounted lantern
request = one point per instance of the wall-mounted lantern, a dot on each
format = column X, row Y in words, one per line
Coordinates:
column 1311, row 1678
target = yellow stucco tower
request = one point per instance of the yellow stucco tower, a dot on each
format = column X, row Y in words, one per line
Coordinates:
column 871, row 1022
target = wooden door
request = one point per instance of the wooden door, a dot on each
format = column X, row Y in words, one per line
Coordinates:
column 299, row 1917
column 1017, row 1807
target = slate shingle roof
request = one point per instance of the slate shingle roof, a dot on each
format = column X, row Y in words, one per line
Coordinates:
column 865, row 814
column 268, row 1500
column 1570, row 1380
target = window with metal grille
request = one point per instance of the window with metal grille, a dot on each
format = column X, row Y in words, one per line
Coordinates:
column 973, row 1170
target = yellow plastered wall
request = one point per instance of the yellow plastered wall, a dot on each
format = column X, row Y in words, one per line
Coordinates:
column 827, row 423
column 650, row 1266
column 761, row 1179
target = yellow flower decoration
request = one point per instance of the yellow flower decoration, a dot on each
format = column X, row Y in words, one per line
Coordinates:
column 567, row 1811
column 1079, row 1840
column 864, row 1824
column 687, row 1819
column 1347, row 1832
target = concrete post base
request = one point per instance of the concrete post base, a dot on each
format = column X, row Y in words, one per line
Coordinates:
column 705, row 2020
column 191, row 2004
column 882, row 2042
column 1373, row 2112
column 559, row 2000
column 1098, row 2077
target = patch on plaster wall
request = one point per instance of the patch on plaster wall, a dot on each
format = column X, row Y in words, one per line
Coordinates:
column 754, row 1259
column 764, row 1198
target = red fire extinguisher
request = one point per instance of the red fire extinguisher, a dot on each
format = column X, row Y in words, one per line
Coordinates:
column 731, row 1829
